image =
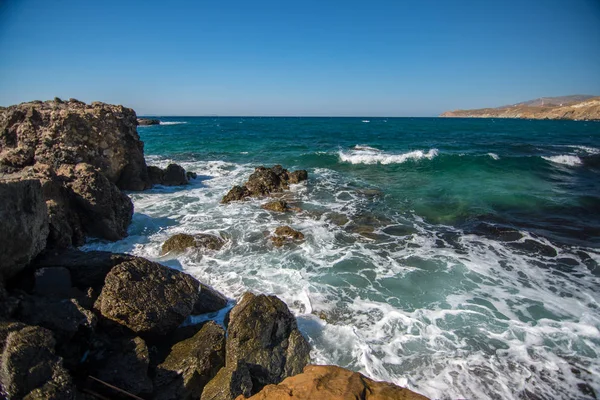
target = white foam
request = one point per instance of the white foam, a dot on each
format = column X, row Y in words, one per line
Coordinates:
column 363, row 156
column 564, row 159
column 364, row 147
column 172, row 122
column 586, row 149
column 494, row 156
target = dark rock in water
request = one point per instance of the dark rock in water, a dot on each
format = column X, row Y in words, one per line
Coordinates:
column 148, row 121
column 229, row 383
column 24, row 224
column 191, row 365
column 87, row 268
column 209, row 300
column 285, row 234
column 191, row 175
column 126, row 366
column 173, row 175
column 53, row 282
column 60, row 133
column 265, row 181
column 29, row 367
column 263, row 333
column 182, row 241
column 146, row 297
column 277, row 206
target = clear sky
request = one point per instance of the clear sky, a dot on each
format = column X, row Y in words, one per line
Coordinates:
column 309, row 57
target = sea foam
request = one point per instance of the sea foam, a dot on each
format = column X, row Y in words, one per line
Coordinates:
column 564, row 159
column 362, row 154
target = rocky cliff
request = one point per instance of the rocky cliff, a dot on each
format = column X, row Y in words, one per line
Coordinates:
column 585, row 110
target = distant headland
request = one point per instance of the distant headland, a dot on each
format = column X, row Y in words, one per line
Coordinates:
column 574, row 107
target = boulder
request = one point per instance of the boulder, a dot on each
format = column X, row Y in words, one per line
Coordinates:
column 126, row 366
column 263, row 333
column 191, row 365
column 173, row 175
column 57, row 133
column 146, row 297
column 24, row 224
column 209, row 300
column 328, row 382
column 285, row 234
column 277, row 206
column 29, row 367
column 148, row 121
column 181, row 241
column 265, row 181
column 229, row 383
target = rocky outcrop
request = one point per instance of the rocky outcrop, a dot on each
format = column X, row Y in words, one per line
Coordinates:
column 285, row 234
column 148, row 121
column 277, row 206
column 265, row 181
column 24, row 224
column 173, row 175
column 58, row 133
column 182, row 241
column 191, row 364
column 328, row 382
column 229, row 383
column 146, row 297
column 209, row 300
column 262, row 333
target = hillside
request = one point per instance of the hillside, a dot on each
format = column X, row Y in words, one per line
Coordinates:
column 577, row 107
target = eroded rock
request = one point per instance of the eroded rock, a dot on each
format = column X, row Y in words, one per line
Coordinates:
column 277, row 206
column 229, row 383
column 182, row 241
column 148, row 121
column 173, row 175
column 286, row 234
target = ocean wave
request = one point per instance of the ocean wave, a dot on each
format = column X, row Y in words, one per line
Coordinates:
column 172, row 122
column 585, row 149
column 369, row 155
column 564, row 159
column 494, row 156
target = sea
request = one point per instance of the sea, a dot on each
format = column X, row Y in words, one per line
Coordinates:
column 457, row 257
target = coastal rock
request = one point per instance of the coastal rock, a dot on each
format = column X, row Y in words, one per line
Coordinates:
column 148, row 121
column 328, row 382
column 146, row 297
column 265, row 181
column 209, row 300
column 277, row 206
column 29, row 367
column 229, row 383
column 191, row 365
column 173, row 175
column 53, row 282
column 263, row 333
column 57, row 133
column 285, row 234
column 24, row 224
column 181, row 241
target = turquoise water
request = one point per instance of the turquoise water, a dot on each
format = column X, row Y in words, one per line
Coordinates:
column 457, row 257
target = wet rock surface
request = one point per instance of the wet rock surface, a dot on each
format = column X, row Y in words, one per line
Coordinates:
column 265, row 181
column 277, row 206
column 173, row 175
column 180, row 242
column 209, row 300
column 286, row 234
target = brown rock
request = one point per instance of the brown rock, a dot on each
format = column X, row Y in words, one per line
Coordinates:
column 229, row 383
column 182, row 241
column 277, row 206
column 265, row 181
column 328, row 382
column 173, row 175
column 148, row 121
column 285, row 234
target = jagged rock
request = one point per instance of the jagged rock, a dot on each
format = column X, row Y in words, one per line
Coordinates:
column 29, row 367
column 263, row 333
column 148, row 121
column 285, row 234
column 191, row 175
column 173, row 175
column 126, row 366
column 146, row 297
column 209, row 300
column 229, row 383
column 58, row 133
column 277, row 206
column 181, row 241
column 24, row 224
column 87, row 268
column 328, row 382
column 191, row 365
column 53, row 282
column 265, row 181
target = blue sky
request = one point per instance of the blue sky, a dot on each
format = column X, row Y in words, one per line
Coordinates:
column 263, row 57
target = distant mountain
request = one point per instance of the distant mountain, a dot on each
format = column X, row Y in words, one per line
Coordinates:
column 575, row 107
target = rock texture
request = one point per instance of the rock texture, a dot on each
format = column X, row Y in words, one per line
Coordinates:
column 146, row 297
column 588, row 109
column 24, row 224
column 265, row 181
column 285, row 234
column 262, row 333
column 173, row 175
column 191, row 364
column 333, row 383
column 229, row 383
column 277, row 206
column 148, row 121
column 182, row 241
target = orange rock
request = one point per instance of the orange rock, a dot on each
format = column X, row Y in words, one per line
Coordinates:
column 328, row 382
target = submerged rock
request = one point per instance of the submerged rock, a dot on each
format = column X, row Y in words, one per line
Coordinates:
column 191, row 364
column 265, row 181
column 182, row 241
column 328, row 382
column 146, row 297
column 285, row 234
column 24, row 224
column 263, row 333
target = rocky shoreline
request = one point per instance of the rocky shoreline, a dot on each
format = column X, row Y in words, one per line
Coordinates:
column 97, row 325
